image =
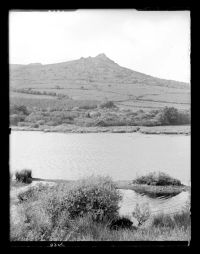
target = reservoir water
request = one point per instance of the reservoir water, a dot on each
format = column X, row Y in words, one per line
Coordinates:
column 123, row 156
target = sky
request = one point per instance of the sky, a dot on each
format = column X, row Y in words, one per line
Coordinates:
column 152, row 42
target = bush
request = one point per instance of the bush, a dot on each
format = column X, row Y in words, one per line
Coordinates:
column 32, row 193
column 34, row 125
column 141, row 213
column 41, row 122
column 16, row 109
column 121, row 223
column 87, row 106
column 107, row 104
column 171, row 115
column 34, row 117
column 56, row 212
column 52, row 123
column 95, row 195
column 15, row 119
column 24, row 176
column 22, row 124
column 157, row 178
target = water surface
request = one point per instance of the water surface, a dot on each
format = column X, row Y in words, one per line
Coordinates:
column 123, row 156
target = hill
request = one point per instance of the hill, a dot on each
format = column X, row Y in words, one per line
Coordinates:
column 99, row 78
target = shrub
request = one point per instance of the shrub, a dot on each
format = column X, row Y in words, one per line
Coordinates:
column 100, row 122
column 24, row 176
column 32, row 193
column 141, row 213
column 15, row 119
column 96, row 196
column 21, row 124
column 56, row 212
column 107, row 104
column 184, row 117
column 121, row 223
column 52, row 123
column 171, row 115
column 35, row 125
column 87, row 106
column 40, row 122
column 34, row 117
column 16, row 109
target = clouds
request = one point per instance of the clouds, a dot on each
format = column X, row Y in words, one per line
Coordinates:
column 156, row 43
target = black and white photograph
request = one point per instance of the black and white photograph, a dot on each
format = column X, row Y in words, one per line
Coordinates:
column 100, row 126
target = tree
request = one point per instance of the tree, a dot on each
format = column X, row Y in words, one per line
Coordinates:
column 169, row 115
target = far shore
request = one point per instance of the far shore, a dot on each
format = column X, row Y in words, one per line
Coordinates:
column 175, row 129
column 148, row 190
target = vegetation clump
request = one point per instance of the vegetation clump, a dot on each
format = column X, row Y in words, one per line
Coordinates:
column 121, row 223
column 107, row 104
column 141, row 213
column 33, row 193
column 64, row 207
column 181, row 219
column 157, row 179
column 24, row 176
column 51, row 112
column 96, row 196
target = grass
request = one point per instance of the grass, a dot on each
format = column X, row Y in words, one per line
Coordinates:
column 87, row 210
column 84, row 229
column 15, row 184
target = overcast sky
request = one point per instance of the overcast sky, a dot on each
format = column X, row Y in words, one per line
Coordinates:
column 154, row 43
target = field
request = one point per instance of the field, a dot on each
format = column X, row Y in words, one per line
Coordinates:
column 124, row 95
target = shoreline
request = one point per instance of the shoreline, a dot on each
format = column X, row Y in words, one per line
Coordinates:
column 149, row 190
column 152, row 190
column 175, row 130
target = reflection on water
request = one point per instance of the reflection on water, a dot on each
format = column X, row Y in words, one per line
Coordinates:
column 162, row 204
column 157, row 195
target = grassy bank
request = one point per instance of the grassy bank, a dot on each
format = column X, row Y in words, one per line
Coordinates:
column 86, row 210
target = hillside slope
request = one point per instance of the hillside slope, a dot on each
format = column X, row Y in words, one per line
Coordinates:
column 99, row 78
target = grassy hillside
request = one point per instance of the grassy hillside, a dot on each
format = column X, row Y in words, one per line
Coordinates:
column 98, row 79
